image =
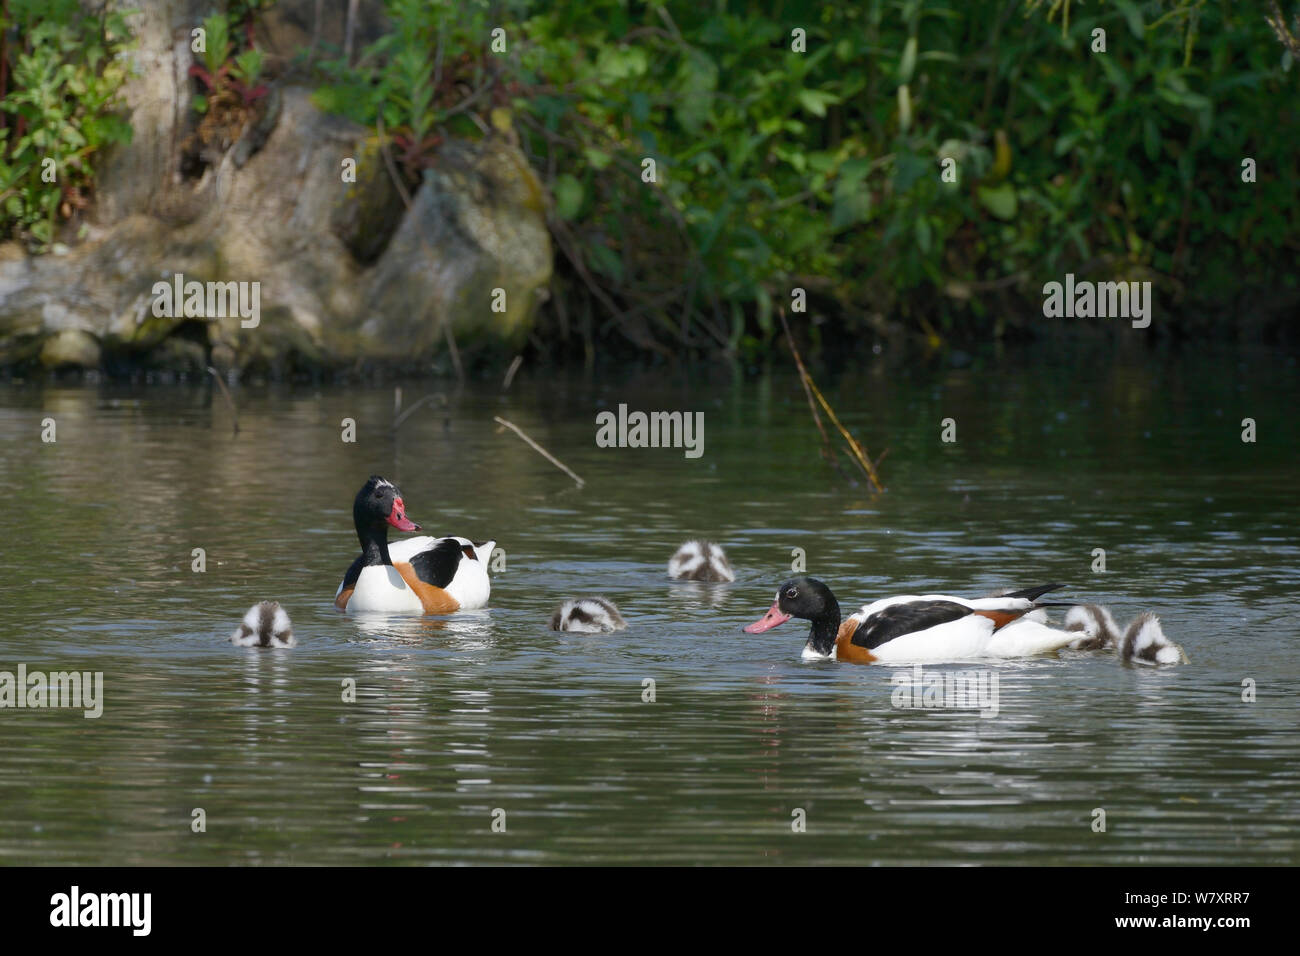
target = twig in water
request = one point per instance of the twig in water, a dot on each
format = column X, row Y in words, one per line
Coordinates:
column 828, row 452
column 857, row 452
column 455, row 352
column 539, row 449
column 510, row 372
column 407, row 414
column 234, row 415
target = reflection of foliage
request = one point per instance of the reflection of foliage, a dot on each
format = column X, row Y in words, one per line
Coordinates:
column 820, row 169
column 59, row 78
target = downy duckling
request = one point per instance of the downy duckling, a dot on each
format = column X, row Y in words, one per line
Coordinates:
column 588, row 615
column 265, row 625
column 1095, row 623
column 700, row 560
column 1145, row 643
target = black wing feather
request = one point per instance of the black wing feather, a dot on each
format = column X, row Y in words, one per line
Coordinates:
column 354, row 572
column 437, row 565
column 899, row 619
column 1033, row 594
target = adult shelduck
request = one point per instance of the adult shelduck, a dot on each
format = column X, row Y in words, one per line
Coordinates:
column 416, row 576
column 931, row 627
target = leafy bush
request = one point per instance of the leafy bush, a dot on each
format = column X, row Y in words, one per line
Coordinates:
column 63, row 73
column 432, row 72
column 821, row 169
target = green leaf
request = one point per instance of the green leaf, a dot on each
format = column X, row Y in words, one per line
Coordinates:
column 605, row 261
column 695, row 82
column 907, row 63
column 1134, row 17
column 924, row 235
column 598, row 159
column 568, row 196
column 999, row 200
column 816, row 101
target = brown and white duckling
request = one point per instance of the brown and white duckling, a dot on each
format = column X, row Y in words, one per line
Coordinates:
column 590, row 615
column 1145, row 643
column 700, row 560
column 1142, row 642
column 265, row 625
column 1095, row 623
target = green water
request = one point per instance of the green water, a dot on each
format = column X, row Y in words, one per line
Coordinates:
column 489, row 711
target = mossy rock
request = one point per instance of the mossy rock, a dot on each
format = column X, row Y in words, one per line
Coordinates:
column 73, row 348
column 371, row 209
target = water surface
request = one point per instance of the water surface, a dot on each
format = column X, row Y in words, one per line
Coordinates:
column 456, row 718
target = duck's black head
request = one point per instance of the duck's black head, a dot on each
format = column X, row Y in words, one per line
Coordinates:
column 379, row 503
column 805, row 598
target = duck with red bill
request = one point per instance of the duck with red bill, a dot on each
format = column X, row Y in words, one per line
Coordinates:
column 397, row 517
column 912, row 627
column 774, row 617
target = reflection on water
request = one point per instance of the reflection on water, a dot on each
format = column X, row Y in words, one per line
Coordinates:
column 386, row 739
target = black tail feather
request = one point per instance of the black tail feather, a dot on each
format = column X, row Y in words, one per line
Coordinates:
column 1033, row 594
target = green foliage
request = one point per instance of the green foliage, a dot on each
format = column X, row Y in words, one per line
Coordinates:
column 60, row 104
column 422, row 76
column 228, row 77
column 821, row 169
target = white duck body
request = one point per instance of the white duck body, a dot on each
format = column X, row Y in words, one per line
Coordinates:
column 969, row 637
column 470, row 585
column 382, row 589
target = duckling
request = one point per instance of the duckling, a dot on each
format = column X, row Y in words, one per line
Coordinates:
column 588, row 615
column 265, row 625
column 700, row 560
column 1096, row 624
column 1145, row 643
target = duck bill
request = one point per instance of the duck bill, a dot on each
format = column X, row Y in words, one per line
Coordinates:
column 397, row 517
column 773, row 618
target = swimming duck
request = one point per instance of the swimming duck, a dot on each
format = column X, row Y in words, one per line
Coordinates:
column 589, row 615
column 421, row 575
column 912, row 628
column 265, row 625
column 700, row 560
